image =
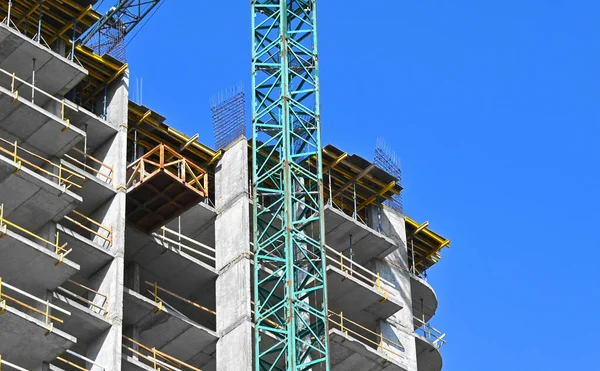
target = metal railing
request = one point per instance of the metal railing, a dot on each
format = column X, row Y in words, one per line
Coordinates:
column 80, row 358
column 105, row 172
column 156, row 290
column 352, row 269
column 431, row 334
column 64, row 104
column 155, row 358
column 162, row 157
column 49, row 318
column 11, row 366
column 177, row 240
column 349, row 327
column 101, row 307
column 59, row 249
column 64, row 177
column 84, row 222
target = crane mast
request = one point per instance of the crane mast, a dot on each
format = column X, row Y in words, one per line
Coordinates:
column 290, row 290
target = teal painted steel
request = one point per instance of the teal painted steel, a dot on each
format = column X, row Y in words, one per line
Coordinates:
column 290, row 290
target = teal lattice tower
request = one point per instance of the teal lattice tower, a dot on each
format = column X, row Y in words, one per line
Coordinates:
column 290, row 289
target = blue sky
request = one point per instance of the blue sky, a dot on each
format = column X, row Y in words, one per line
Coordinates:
column 493, row 110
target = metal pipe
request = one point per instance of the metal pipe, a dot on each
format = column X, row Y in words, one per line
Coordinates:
column 354, row 197
column 85, row 145
column 73, row 39
column 8, row 16
column 351, row 255
column 412, row 249
column 39, row 33
column 379, row 214
column 33, row 83
column 105, row 103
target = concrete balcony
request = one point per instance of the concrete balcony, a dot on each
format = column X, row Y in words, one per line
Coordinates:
column 428, row 340
column 354, row 347
column 197, row 223
column 424, row 299
column 359, row 292
column 89, row 240
column 166, row 323
column 32, row 262
column 349, row 353
column 97, row 186
column 35, row 126
column 33, row 189
column 343, row 231
column 28, row 333
column 53, row 72
column 172, row 259
column 89, row 310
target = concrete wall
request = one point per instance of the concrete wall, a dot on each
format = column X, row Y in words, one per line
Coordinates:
column 232, row 235
column 394, row 268
column 106, row 350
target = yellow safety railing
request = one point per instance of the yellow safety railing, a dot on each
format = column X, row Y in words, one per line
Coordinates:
column 155, row 358
column 347, row 326
column 63, row 176
column 103, row 232
column 178, row 240
column 156, row 290
column 80, row 359
column 59, row 249
column 102, row 307
column 63, row 103
column 433, row 335
column 48, row 307
column 162, row 157
column 105, row 171
column 353, row 269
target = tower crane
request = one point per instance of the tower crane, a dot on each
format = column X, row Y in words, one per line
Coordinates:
column 290, row 289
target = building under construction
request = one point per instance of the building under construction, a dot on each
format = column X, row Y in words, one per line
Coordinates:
column 128, row 245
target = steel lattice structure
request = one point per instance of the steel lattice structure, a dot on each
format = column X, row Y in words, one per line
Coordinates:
column 289, row 271
column 107, row 36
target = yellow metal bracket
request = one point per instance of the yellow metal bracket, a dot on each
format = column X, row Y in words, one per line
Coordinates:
column 16, row 97
column 67, row 126
column 50, row 330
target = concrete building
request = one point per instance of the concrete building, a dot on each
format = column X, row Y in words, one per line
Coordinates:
column 126, row 245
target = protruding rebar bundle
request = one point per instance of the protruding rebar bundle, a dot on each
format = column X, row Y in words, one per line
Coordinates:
column 387, row 159
column 228, row 110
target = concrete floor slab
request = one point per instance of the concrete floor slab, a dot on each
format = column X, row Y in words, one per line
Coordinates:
column 36, row 127
column 94, row 191
column 429, row 357
column 30, row 199
column 360, row 302
column 424, row 299
column 130, row 363
column 98, row 130
column 25, row 341
column 350, row 354
column 84, row 323
column 366, row 242
column 169, row 331
column 32, row 267
column 90, row 256
column 174, row 269
column 53, row 73
column 197, row 223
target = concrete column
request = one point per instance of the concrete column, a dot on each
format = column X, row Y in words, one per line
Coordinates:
column 107, row 349
column 232, row 236
column 394, row 268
